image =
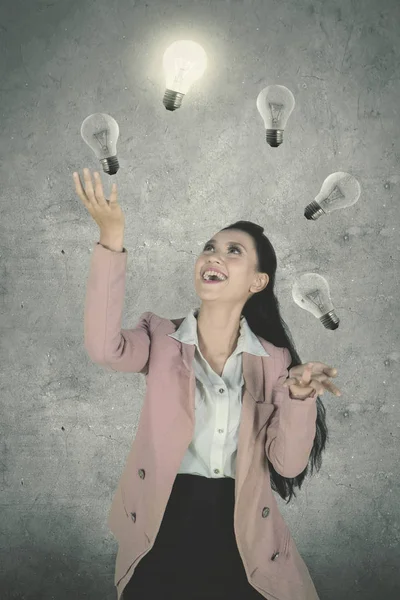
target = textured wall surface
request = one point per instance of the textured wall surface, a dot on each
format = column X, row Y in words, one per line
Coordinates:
column 66, row 424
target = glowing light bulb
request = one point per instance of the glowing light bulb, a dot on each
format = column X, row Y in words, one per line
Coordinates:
column 275, row 104
column 311, row 292
column 339, row 190
column 101, row 132
column 184, row 62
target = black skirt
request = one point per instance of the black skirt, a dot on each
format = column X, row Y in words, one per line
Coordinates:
column 195, row 555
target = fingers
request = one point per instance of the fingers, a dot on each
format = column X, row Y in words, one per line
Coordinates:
column 91, row 195
column 320, row 370
column 314, row 385
column 319, row 389
column 321, row 367
column 330, row 371
column 331, row 388
column 88, row 185
column 306, row 377
column 79, row 189
column 99, row 188
column 320, row 386
column 323, row 386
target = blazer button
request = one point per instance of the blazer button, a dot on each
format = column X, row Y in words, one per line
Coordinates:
column 274, row 556
column 265, row 512
column 133, row 517
column 142, row 474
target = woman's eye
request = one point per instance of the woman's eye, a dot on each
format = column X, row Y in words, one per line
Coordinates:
column 230, row 247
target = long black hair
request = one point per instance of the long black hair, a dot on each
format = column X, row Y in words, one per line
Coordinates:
column 263, row 317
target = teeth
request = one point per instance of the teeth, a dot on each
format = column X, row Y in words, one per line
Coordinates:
column 207, row 275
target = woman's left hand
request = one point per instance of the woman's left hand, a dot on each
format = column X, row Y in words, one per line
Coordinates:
column 312, row 376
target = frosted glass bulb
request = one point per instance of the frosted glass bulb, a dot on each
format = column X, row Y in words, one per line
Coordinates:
column 275, row 104
column 311, row 292
column 184, row 62
column 100, row 132
column 339, row 190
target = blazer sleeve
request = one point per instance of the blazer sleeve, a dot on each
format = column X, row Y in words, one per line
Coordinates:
column 125, row 350
column 292, row 427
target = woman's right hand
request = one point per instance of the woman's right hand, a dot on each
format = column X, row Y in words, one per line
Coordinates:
column 107, row 213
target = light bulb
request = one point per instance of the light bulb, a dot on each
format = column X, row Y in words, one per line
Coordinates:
column 275, row 104
column 184, row 62
column 101, row 132
column 311, row 292
column 339, row 190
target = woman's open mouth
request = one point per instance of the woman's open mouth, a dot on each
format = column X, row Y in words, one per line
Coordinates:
column 214, row 278
column 213, row 281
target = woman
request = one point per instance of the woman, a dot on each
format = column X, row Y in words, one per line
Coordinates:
column 222, row 423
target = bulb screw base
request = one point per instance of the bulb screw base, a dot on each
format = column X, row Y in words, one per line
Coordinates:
column 172, row 100
column 274, row 137
column 313, row 211
column 110, row 165
column 330, row 320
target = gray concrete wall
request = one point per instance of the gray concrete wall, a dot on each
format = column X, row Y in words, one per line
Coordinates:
column 66, row 424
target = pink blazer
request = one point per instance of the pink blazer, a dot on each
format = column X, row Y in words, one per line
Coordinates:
column 272, row 425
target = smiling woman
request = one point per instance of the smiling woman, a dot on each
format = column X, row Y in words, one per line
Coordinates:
column 178, row 489
column 245, row 255
column 257, row 558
